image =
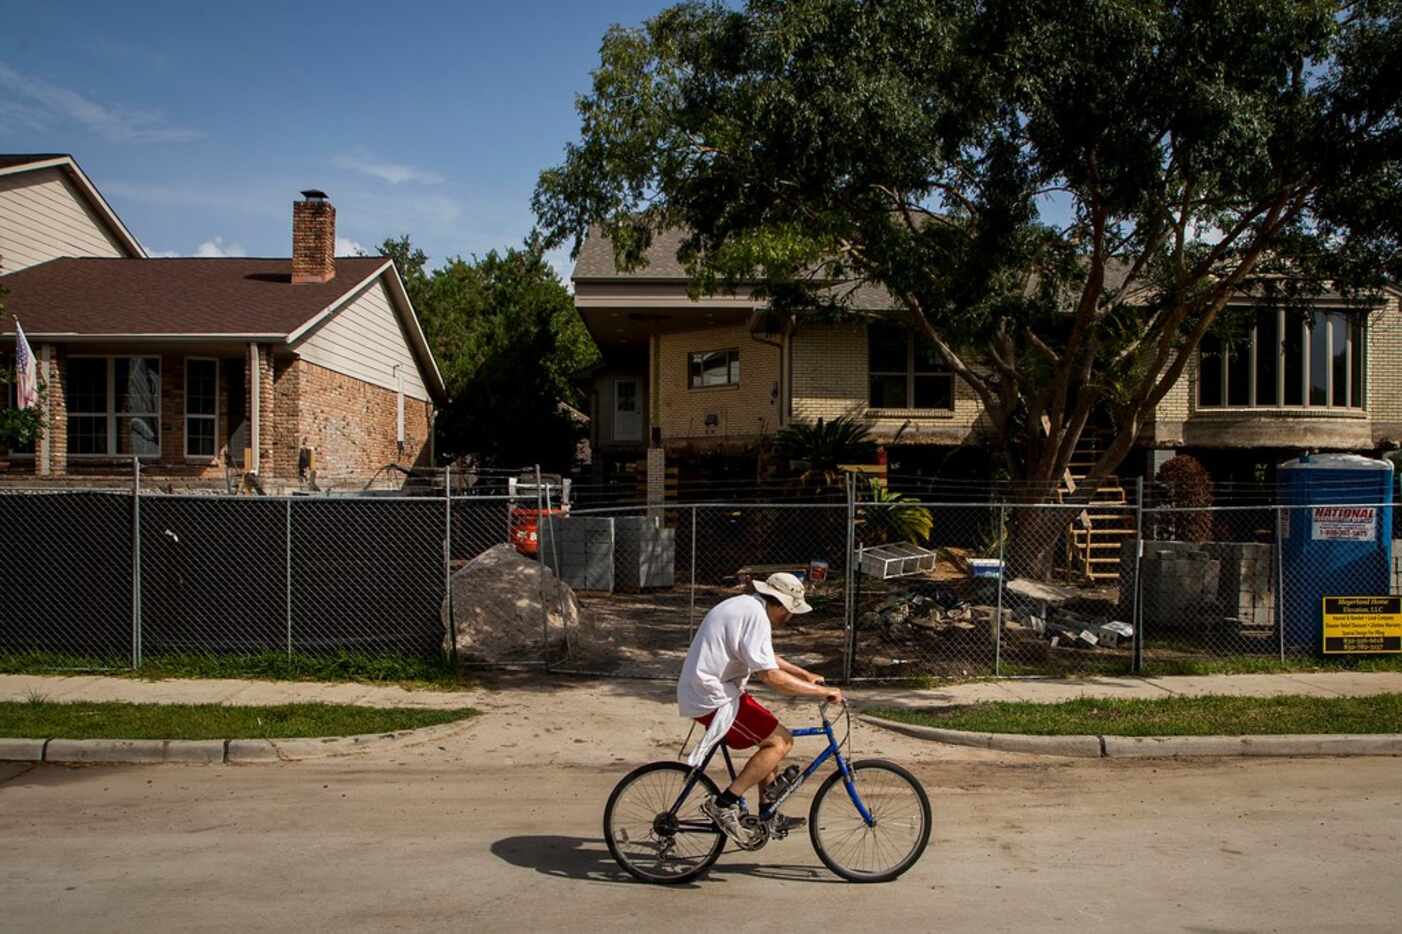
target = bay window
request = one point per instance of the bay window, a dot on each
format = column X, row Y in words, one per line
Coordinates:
column 1286, row 358
column 114, row 406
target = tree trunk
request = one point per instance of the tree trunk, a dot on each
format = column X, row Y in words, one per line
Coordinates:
column 1038, row 527
column 1035, row 536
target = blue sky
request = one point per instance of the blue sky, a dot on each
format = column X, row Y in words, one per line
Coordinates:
column 201, row 122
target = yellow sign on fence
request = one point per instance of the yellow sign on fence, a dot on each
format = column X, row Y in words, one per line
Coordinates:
column 1362, row 625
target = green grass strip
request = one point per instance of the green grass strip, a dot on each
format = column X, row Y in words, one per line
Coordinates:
column 1172, row 716
column 40, row 719
column 407, row 670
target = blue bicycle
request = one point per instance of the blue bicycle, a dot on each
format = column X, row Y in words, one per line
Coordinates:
column 655, row 829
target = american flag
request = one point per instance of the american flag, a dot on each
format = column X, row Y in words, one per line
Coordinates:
column 26, row 380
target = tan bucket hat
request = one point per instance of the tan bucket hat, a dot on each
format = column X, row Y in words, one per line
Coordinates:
column 787, row 589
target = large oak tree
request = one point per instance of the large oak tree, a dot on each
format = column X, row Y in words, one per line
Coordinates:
column 1063, row 197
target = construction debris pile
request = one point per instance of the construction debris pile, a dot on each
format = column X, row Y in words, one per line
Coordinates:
column 926, row 610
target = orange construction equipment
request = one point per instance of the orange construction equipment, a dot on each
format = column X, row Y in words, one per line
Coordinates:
column 525, row 527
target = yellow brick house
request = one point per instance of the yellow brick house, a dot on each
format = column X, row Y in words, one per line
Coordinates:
column 683, row 377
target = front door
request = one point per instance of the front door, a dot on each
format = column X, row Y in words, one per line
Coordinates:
column 627, row 411
column 236, row 423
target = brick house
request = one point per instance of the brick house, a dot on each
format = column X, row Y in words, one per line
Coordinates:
column 308, row 368
column 684, row 376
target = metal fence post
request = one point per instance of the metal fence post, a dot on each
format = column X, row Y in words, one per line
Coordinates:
column 541, row 506
column 1002, row 580
column 136, row 563
column 448, row 560
column 560, row 603
column 691, row 612
column 1282, row 524
column 288, row 503
column 1137, row 614
column 850, row 612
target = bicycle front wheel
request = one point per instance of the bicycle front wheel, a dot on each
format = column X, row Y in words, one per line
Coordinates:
column 650, row 840
column 880, row 852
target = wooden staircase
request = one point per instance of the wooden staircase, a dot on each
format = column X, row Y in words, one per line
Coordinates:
column 1094, row 540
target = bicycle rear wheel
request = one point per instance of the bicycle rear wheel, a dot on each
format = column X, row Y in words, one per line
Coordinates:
column 861, row 853
column 650, row 842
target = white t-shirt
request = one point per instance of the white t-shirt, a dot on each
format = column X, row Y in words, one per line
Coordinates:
column 733, row 641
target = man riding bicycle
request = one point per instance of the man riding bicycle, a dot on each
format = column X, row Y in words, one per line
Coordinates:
column 734, row 641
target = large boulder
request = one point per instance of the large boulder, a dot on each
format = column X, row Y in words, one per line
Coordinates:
column 510, row 608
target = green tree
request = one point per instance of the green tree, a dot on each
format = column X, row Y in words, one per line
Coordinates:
column 411, row 263
column 1063, row 197
column 504, row 331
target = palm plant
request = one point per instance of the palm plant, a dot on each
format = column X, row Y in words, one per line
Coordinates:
column 824, row 445
column 894, row 516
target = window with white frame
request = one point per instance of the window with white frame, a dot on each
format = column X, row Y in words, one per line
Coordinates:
column 201, row 406
column 114, row 406
column 906, row 372
column 1287, row 358
column 714, row 368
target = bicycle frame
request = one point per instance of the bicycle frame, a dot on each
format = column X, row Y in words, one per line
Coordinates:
column 833, row 750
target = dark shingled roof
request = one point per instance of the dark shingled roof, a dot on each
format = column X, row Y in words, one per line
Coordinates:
column 94, row 296
column 596, row 258
column 596, row 262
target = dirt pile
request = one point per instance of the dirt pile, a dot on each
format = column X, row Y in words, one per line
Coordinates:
column 508, row 608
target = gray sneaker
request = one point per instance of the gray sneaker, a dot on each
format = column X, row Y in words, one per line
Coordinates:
column 727, row 819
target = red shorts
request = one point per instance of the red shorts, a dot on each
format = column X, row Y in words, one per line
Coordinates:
column 752, row 726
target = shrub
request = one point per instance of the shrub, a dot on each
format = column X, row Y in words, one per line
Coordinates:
column 1186, row 486
column 824, row 445
column 894, row 517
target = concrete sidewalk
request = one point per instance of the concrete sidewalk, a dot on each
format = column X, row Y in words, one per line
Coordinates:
column 235, row 691
column 224, row 691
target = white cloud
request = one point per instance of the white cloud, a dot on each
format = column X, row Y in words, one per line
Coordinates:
column 117, row 124
column 348, row 247
column 163, row 254
column 392, row 172
column 216, row 247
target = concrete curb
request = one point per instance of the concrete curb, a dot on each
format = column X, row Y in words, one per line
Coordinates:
column 1158, row 747
column 216, row 751
column 22, row 750
column 1326, row 744
column 134, row 750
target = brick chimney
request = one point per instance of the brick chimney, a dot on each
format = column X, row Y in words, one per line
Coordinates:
column 313, row 238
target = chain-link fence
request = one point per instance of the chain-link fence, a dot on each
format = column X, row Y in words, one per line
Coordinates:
column 68, row 577
column 645, row 577
column 105, row 579
column 497, row 570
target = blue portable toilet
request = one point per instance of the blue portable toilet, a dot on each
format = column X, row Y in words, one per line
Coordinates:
column 1337, row 538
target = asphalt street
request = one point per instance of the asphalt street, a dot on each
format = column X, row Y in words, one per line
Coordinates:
column 498, row 829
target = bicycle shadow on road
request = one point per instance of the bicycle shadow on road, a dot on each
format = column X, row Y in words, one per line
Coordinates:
column 588, row 859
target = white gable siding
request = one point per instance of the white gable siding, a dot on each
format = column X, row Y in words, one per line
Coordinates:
column 364, row 339
column 42, row 217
